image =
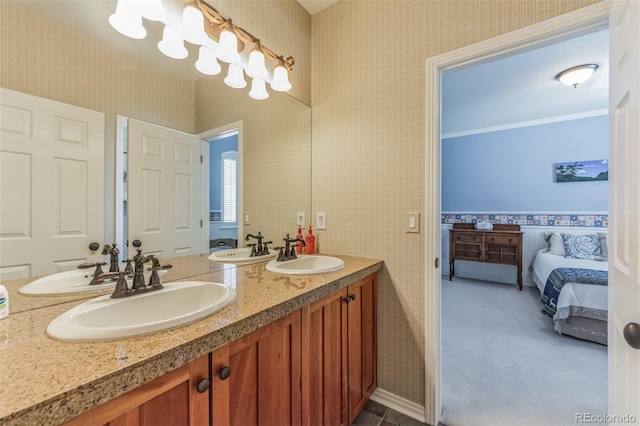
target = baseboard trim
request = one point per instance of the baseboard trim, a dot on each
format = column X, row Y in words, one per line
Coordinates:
column 399, row 404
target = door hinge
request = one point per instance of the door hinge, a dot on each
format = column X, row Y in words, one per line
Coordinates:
column 437, row 262
column 200, row 223
column 201, row 160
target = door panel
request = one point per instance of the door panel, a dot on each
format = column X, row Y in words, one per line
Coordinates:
column 52, row 184
column 165, row 177
column 624, row 252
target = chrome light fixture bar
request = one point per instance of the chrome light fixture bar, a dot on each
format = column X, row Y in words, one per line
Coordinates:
column 576, row 75
column 218, row 38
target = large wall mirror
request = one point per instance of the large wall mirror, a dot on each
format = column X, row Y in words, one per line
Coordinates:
column 44, row 56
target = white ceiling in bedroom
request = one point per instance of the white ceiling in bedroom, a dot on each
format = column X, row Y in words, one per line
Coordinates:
column 522, row 88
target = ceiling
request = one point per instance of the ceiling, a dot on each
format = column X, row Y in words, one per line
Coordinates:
column 513, row 89
column 522, row 88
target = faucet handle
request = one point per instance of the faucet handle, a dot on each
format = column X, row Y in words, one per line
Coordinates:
column 281, row 255
column 121, row 288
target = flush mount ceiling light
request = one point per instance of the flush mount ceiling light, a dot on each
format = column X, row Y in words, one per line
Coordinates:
column 218, row 38
column 576, row 75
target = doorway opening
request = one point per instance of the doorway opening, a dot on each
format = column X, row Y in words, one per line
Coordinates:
column 222, row 186
column 564, row 27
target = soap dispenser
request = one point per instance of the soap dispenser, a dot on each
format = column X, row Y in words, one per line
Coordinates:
column 310, row 242
column 299, row 235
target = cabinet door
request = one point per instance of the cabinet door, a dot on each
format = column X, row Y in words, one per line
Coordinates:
column 361, row 343
column 340, row 353
column 325, row 355
column 172, row 399
column 257, row 378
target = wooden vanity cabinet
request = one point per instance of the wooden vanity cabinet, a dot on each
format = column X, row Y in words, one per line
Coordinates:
column 339, row 354
column 257, row 378
column 173, row 399
column 315, row 366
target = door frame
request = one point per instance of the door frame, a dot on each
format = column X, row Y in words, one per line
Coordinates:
column 236, row 125
column 581, row 21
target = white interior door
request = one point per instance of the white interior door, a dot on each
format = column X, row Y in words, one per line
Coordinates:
column 52, row 185
column 624, row 234
column 164, row 182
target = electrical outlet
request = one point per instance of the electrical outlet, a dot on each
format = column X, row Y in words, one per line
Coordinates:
column 413, row 222
column 321, row 220
column 300, row 219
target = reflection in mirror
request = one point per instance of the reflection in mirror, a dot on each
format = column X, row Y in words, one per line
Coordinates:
column 67, row 66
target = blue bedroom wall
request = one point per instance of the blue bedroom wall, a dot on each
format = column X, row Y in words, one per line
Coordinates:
column 512, row 170
column 216, row 148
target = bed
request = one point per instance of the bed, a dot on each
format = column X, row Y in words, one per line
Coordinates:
column 574, row 293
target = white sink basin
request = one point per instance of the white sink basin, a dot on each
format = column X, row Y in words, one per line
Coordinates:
column 177, row 304
column 312, row 264
column 75, row 281
column 240, row 255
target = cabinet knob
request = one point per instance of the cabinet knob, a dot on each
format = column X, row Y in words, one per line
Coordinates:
column 346, row 299
column 225, row 372
column 510, row 240
column 352, row 296
column 203, row 385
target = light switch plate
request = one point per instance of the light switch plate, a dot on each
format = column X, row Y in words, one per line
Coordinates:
column 413, row 222
column 300, row 219
column 321, row 220
column 246, row 218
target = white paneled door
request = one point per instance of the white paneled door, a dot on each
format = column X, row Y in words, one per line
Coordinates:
column 51, row 185
column 164, row 190
column 624, row 206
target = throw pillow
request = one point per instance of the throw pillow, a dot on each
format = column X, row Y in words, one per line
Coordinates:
column 556, row 244
column 604, row 245
column 585, row 246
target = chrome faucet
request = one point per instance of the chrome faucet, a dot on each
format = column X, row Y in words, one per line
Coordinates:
column 261, row 248
column 288, row 252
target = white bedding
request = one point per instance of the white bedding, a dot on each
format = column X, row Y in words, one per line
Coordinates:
column 575, row 295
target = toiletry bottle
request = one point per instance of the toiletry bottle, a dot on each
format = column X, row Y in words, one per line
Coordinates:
column 299, row 235
column 4, row 302
column 310, row 242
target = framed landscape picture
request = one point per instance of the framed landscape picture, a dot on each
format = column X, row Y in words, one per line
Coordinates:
column 582, row 171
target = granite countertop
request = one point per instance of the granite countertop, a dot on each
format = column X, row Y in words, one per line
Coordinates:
column 46, row 382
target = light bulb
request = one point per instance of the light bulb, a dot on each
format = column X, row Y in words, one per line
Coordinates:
column 228, row 45
column 193, row 24
column 280, row 78
column 235, row 77
column 127, row 20
column 207, row 62
column 172, row 44
column 258, row 89
column 256, row 67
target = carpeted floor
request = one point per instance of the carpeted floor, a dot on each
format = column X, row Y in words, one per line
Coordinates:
column 502, row 363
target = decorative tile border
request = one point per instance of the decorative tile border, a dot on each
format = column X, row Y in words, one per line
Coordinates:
column 537, row 219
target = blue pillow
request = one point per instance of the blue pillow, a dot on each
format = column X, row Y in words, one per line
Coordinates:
column 582, row 246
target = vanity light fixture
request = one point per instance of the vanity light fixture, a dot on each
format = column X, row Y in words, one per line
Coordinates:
column 218, row 38
column 576, row 75
column 172, row 44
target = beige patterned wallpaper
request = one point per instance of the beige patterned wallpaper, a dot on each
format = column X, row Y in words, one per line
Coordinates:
column 368, row 106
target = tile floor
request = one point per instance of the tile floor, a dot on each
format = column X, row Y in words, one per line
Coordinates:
column 375, row 414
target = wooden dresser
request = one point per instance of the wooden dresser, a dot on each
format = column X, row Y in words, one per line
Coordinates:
column 502, row 245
